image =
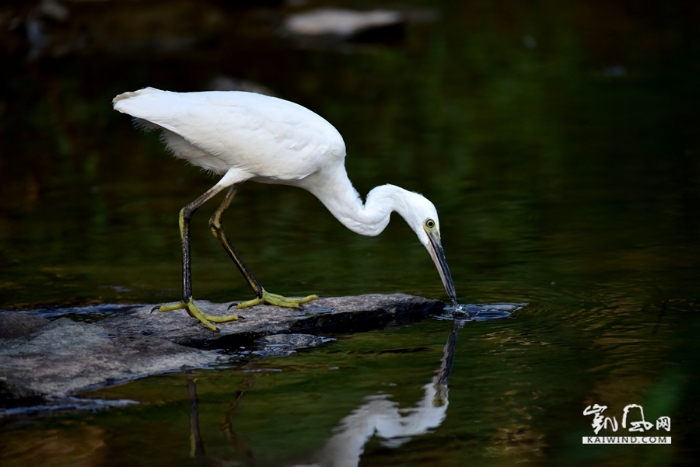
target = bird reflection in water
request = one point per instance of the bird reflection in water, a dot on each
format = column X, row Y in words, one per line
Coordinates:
column 381, row 417
column 196, row 442
column 376, row 416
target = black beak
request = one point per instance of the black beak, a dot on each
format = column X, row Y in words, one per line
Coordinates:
column 438, row 255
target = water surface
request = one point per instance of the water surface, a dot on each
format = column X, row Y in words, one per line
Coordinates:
column 565, row 173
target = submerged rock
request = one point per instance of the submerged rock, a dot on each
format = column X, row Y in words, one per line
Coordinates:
column 294, row 341
column 287, row 344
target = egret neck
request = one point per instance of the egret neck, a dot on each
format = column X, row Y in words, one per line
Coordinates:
column 339, row 196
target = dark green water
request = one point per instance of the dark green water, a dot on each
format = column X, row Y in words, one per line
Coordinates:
column 565, row 174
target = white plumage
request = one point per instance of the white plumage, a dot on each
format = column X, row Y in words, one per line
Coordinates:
column 260, row 136
column 245, row 136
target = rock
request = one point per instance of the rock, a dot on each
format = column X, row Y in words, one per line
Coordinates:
column 337, row 314
column 335, row 26
column 65, row 357
column 340, row 22
column 13, row 324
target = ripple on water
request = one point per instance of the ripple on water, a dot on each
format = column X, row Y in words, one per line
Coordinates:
column 480, row 312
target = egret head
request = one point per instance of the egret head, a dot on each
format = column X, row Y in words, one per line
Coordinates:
column 422, row 216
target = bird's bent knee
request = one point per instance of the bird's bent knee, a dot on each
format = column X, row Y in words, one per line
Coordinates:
column 215, row 223
column 186, row 213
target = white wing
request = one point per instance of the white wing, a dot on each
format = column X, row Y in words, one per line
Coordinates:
column 261, row 135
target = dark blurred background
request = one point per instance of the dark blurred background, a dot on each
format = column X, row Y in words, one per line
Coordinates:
column 558, row 140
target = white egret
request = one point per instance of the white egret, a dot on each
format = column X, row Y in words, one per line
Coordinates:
column 247, row 136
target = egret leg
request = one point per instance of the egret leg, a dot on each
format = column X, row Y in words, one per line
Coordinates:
column 262, row 295
column 187, row 302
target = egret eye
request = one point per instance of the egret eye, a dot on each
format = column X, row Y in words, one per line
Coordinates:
column 430, row 223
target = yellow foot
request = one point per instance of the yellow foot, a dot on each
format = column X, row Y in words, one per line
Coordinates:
column 278, row 300
column 195, row 312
